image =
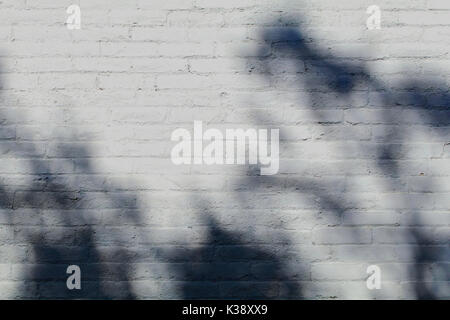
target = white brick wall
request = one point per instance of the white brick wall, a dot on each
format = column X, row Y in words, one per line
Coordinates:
column 85, row 169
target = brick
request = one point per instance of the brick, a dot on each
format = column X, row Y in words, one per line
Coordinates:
column 85, row 141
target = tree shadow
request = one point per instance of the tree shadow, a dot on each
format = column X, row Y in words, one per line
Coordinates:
column 56, row 221
column 430, row 271
column 67, row 236
column 321, row 76
column 61, row 224
column 227, row 266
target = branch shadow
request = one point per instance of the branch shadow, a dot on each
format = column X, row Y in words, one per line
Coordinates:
column 429, row 102
column 227, row 266
column 56, row 221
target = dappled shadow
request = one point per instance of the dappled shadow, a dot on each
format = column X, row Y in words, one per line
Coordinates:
column 66, row 235
column 324, row 80
column 59, row 222
column 64, row 222
column 227, row 266
column 430, row 271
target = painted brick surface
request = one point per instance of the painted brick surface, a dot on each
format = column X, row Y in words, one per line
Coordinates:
column 86, row 176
